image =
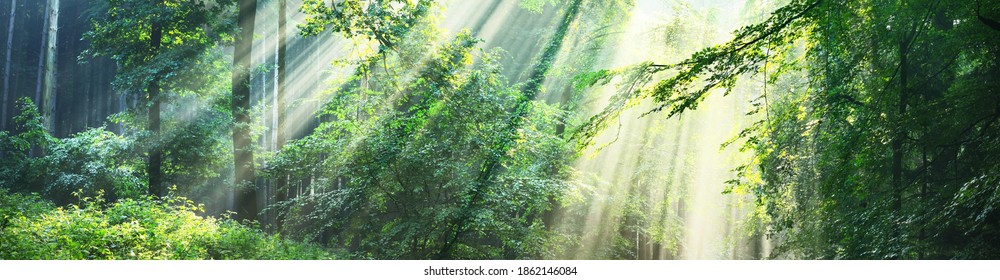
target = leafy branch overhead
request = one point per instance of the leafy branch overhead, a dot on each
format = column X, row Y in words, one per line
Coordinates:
column 123, row 33
column 385, row 21
column 690, row 80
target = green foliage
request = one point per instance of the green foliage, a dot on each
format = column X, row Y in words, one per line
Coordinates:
column 632, row 78
column 94, row 160
column 843, row 199
column 132, row 229
column 874, row 137
column 91, row 161
column 395, row 166
column 691, row 79
column 20, row 205
column 536, row 6
column 98, row 160
column 122, row 31
column 189, row 66
column 859, row 151
column 386, row 21
column 197, row 146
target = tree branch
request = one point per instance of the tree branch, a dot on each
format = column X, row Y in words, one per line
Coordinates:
column 988, row 22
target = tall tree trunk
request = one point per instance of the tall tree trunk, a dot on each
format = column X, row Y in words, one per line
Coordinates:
column 49, row 88
column 39, row 73
column 6, row 74
column 41, row 56
column 282, row 182
column 88, row 107
column 246, row 196
column 153, row 91
column 897, row 141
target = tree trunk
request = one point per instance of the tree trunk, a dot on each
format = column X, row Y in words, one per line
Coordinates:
column 6, row 74
column 41, row 56
column 49, row 87
column 88, row 107
column 897, row 141
column 246, row 196
column 156, row 153
column 282, row 182
column 39, row 73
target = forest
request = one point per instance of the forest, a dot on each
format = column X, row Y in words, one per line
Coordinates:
column 500, row 129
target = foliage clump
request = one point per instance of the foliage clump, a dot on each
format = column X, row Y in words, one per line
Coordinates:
column 397, row 171
column 143, row 228
column 89, row 162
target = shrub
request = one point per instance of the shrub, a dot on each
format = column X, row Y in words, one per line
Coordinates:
column 89, row 162
column 144, row 228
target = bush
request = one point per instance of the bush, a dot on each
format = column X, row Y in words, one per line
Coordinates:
column 89, row 162
column 31, row 228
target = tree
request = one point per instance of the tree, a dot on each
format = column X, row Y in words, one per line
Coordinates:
column 412, row 147
column 489, row 169
column 49, row 88
column 6, row 74
column 41, row 55
column 281, row 185
column 158, row 45
column 153, row 95
column 246, row 197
